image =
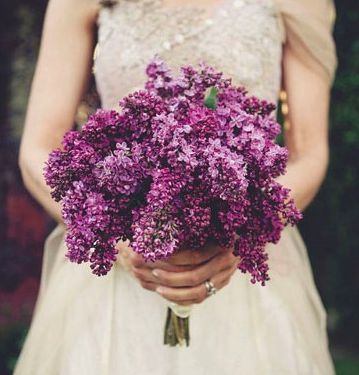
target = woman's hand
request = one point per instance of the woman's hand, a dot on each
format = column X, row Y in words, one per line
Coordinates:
column 181, row 277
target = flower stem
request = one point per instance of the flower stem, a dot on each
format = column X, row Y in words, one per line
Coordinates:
column 176, row 330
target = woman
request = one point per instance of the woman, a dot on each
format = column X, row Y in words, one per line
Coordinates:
column 114, row 325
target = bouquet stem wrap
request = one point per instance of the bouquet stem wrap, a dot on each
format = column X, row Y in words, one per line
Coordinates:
column 177, row 325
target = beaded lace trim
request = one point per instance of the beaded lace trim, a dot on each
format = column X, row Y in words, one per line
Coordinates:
column 240, row 37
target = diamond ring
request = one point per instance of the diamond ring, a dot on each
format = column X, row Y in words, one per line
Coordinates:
column 211, row 290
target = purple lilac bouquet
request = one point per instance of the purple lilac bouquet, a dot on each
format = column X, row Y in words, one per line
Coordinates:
column 189, row 159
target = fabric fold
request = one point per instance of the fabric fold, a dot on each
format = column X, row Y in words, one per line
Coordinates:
column 308, row 28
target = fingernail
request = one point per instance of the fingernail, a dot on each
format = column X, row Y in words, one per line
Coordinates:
column 159, row 290
column 155, row 273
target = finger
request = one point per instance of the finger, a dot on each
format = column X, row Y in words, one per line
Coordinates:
column 179, row 261
column 149, row 286
column 198, row 275
column 152, row 287
column 223, row 279
column 138, row 261
column 144, row 274
column 193, row 256
column 219, row 281
column 179, row 295
column 197, row 293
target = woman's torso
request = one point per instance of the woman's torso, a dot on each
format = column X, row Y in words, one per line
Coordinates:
column 242, row 38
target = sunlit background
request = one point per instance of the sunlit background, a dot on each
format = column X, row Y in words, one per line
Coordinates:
column 330, row 227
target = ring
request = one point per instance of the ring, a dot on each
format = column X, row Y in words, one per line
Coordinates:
column 211, row 290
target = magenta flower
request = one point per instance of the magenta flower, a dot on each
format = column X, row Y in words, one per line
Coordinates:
column 167, row 171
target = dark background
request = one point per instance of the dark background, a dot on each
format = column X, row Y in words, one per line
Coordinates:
column 330, row 227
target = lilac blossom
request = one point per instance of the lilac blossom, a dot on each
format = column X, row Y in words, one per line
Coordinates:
column 166, row 171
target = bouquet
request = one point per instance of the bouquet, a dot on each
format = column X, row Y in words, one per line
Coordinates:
column 189, row 159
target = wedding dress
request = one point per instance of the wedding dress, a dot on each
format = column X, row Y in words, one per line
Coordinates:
column 85, row 325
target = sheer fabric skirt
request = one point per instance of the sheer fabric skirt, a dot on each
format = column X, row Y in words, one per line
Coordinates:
column 85, row 325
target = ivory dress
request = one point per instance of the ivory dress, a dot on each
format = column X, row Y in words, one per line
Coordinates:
column 85, row 325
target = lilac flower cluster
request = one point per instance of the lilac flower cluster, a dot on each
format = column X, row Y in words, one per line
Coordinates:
column 167, row 171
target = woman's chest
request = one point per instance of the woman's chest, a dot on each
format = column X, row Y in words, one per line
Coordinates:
column 242, row 38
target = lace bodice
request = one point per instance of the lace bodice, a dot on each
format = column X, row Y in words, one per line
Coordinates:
column 242, row 38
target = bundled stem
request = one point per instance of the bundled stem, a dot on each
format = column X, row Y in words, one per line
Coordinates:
column 176, row 330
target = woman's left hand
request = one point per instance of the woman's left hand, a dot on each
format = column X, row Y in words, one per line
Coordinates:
column 187, row 285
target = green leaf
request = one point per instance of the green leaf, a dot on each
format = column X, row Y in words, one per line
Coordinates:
column 210, row 99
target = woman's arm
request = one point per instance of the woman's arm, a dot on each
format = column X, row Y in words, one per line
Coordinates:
column 60, row 79
column 307, row 137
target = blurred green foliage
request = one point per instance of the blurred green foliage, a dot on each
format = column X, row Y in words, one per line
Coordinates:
column 11, row 340
column 346, row 365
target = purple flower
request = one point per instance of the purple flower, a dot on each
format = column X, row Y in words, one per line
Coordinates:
column 166, row 172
